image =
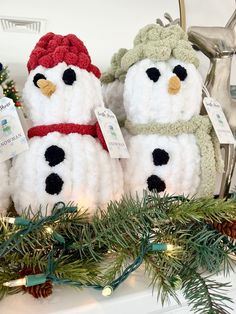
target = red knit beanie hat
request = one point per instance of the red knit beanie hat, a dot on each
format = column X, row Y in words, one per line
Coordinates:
column 52, row 49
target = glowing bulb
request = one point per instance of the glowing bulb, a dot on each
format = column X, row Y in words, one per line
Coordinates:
column 169, row 247
column 49, row 230
column 15, row 283
column 10, row 220
column 107, row 291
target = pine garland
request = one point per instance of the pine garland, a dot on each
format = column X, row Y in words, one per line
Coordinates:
column 172, row 237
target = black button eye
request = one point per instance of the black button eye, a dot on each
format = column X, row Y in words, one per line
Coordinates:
column 69, row 76
column 37, row 77
column 153, row 74
column 180, row 72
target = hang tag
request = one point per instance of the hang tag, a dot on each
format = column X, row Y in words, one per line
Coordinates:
column 219, row 121
column 12, row 137
column 112, row 133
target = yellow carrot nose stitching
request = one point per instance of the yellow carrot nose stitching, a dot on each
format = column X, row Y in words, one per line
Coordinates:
column 174, row 85
column 46, row 87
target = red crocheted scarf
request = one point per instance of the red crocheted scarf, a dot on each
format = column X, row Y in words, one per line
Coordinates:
column 68, row 128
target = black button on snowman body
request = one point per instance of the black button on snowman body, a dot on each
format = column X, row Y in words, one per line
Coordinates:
column 54, row 155
column 160, row 158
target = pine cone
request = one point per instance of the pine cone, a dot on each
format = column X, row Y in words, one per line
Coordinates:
column 227, row 228
column 39, row 291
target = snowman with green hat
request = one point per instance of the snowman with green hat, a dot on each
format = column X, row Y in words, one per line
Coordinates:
column 172, row 149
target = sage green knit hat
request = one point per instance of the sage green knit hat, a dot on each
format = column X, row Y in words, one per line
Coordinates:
column 115, row 71
column 160, row 43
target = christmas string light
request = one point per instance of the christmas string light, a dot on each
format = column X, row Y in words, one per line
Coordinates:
column 107, row 290
column 15, row 283
column 27, row 281
column 29, row 226
column 59, row 208
column 134, row 233
column 55, row 235
column 161, row 247
column 49, row 230
column 17, row 221
column 144, row 249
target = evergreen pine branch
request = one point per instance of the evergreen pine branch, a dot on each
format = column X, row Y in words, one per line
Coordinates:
column 209, row 250
column 207, row 209
column 205, row 296
column 161, row 280
column 4, row 277
column 113, row 266
column 118, row 233
column 84, row 271
column 4, row 291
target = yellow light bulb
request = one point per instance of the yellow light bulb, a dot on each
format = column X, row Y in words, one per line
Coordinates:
column 107, row 291
column 15, row 283
column 169, row 247
column 49, row 230
column 10, row 220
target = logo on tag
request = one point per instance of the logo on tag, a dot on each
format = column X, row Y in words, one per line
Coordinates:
column 112, row 133
column 12, row 137
column 219, row 121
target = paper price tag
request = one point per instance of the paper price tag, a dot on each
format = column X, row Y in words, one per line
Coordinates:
column 12, row 137
column 112, row 133
column 219, row 121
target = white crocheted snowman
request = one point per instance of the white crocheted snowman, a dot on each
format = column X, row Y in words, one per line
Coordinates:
column 171, row 148
column 67, row 159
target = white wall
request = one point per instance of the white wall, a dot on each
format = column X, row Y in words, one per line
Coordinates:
column 104, row 25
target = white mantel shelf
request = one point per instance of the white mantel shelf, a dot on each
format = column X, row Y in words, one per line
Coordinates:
column 134, row 296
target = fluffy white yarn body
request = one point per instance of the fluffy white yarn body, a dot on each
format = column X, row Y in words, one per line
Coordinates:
column 147, row 102
column 181, row 174
column 90, row 177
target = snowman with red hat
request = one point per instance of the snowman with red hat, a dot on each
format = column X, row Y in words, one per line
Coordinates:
column 68, row 159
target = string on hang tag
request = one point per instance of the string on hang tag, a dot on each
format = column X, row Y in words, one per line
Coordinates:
column 204, row 88
column 217, row 118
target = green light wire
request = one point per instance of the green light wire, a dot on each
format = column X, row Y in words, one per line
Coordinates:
column 144, row 249
column 58, row 210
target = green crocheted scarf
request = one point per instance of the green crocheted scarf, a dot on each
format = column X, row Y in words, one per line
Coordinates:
column 201, row 127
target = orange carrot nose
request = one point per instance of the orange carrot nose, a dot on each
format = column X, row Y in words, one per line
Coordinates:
column 46, row 87
column 174, row 85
